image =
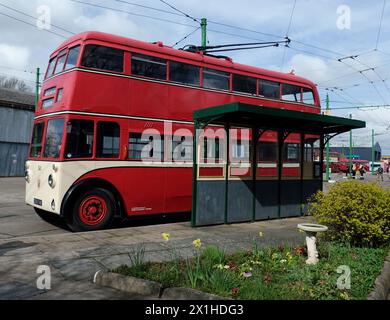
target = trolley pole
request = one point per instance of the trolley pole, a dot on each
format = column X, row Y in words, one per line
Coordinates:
column 203, row 25
column 373, row 153
column 328, row 144
column 350, row 149
column 37, row 85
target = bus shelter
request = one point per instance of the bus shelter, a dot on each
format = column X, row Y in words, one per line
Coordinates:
column 256, row 163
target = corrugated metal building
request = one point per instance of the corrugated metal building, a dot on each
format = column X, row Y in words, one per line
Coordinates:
column 16, row 121
column 362, row 152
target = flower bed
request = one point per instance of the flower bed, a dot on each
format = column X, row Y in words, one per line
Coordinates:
column 273, row 273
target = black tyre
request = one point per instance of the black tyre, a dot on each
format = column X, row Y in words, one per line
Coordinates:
column 93, row 210
column 44, row 215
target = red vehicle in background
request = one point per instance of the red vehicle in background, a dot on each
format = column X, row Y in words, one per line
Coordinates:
column 345, row 163
column 101, row 92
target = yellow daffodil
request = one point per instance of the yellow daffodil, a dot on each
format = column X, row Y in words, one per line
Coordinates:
column 197, row 243
column 166, row 236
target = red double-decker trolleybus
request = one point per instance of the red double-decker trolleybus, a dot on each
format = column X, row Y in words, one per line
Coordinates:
column 102, row 92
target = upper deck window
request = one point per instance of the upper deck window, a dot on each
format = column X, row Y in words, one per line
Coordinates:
column 50, row 68
column 214, row 79
column 291, row 93
column 103, row 58
column 147, row 66
column 60, row 62
column 269, row 89
column 72, row 58
column 244, row 84
column 184, row 73
column 308, row 96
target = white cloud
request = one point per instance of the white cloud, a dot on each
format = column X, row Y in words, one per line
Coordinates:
column 109, row 22
column 14, row 56
column 313, row 23
column 310, row 67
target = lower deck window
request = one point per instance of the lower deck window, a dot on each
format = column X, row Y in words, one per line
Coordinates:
column 79, row 139
column 212, row 150
column 268, row 152
column 291, row 152
column 146, row 147
column 182, row 148
column 108, row 140
column 241, row 151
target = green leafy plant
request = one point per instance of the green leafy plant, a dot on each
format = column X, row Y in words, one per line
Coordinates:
column 355, row 213
column 212, row 255
column 137, row 257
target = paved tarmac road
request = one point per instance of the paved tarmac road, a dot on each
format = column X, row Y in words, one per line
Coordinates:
column 27, row 242
column 16, row 218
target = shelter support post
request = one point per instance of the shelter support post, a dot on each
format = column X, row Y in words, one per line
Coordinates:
column 195, row 172
column 322, row 149
column 227, row 173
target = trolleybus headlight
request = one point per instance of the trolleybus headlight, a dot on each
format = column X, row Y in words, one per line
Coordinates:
column 26, row 176
column 51, row 181
column 53, row 205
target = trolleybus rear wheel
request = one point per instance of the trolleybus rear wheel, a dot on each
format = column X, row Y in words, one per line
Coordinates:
column 93, row 210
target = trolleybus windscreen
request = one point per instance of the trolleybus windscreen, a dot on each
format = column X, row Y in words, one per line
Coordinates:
column 53, row 143
column 36, row 145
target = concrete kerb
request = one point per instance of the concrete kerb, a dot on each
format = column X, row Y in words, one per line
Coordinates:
column 382, row 283
column 128, row 284
column 149, row 288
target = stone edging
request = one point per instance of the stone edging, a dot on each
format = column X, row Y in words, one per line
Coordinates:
column 382, row 283
column 149, row 288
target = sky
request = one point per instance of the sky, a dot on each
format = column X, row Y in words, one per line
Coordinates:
column 342, row 46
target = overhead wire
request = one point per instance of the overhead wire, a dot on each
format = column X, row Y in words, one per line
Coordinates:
column 180, row 11
column 186, row 37
column 33, row 17
column 380, row 24
column 287, row 34
column 32, row 25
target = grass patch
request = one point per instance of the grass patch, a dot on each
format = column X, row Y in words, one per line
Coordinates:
column 270, row 274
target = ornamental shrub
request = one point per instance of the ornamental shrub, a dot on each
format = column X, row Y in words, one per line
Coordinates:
column 355, row 212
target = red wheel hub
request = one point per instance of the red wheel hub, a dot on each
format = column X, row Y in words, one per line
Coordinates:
column 93, row 210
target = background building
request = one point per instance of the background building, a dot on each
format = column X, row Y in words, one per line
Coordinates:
column 359, row 152
column 16, row 120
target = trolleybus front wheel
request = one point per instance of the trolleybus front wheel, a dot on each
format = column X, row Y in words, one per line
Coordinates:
column 93, row 210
